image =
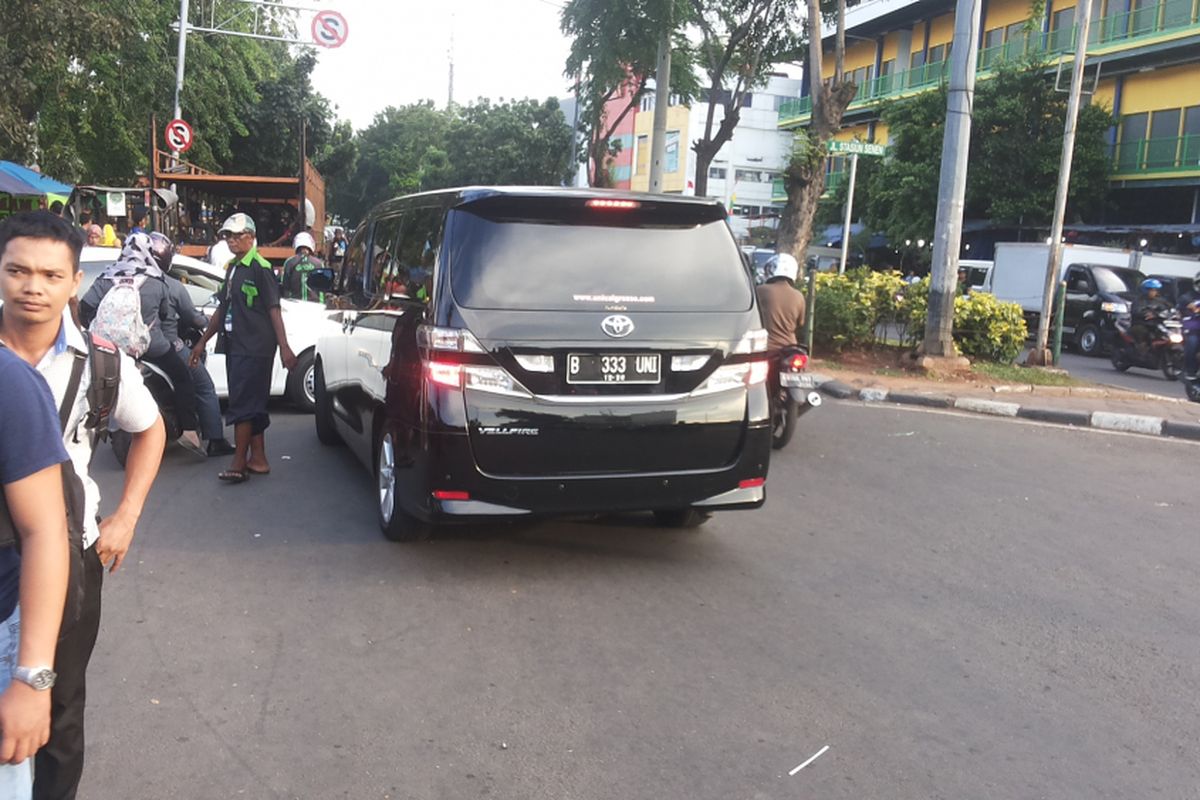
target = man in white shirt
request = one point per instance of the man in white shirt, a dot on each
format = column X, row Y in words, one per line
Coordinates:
column 39, row 275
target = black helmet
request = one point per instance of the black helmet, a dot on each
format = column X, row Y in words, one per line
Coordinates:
column 162, row 249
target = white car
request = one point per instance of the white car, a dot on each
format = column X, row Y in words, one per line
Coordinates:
column 305, row 322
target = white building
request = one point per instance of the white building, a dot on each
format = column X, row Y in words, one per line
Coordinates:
column 745, row 170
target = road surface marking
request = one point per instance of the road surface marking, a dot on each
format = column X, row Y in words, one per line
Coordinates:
column 815, row 756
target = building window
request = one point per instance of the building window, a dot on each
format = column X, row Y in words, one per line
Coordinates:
column 672, row 152
column 937, row 54
column 917, row 60
column 993, row 38
column 642, row 164
column 716, row 173
column 747, row 99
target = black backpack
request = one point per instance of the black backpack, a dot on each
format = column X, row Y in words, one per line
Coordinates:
column 102, row 399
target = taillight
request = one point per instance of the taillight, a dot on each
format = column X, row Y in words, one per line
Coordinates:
column 445, row 374
column 752, row 483
column 613, row 205
column 797, row 362
column 447, row 494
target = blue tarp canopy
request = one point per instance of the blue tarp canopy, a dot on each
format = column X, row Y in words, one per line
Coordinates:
column 27, row 182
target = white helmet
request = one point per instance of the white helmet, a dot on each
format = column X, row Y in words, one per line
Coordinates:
column 304, row 239
column 783, row 266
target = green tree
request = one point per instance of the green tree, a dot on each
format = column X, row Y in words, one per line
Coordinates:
column 614, row 50
column 83, row 79
column 742, row 41
column 1016, row 146
column 1016, row 143
column 516, row 142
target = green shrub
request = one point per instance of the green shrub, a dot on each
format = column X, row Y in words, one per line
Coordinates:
column 987, row 328
column 984, row 327
column 851, row 308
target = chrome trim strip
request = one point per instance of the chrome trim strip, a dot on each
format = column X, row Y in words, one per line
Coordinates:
column 752, row 495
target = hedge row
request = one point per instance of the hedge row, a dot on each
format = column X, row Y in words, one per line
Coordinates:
column 862, row 307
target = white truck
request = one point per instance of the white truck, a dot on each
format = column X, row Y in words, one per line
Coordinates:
column 1101, row 283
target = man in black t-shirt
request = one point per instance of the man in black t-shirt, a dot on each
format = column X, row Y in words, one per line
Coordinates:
column 252, row 326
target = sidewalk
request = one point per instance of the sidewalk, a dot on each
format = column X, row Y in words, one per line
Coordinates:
column 1088, row 405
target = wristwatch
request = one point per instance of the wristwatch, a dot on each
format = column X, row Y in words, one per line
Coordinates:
column 40, row 678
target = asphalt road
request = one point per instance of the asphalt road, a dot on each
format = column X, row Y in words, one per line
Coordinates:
column 1100, row 370
column 957, row 607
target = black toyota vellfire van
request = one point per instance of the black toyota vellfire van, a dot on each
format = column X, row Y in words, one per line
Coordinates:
column 535, row 351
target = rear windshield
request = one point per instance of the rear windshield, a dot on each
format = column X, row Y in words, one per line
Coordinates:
column 1116, row 280
column 560, row 266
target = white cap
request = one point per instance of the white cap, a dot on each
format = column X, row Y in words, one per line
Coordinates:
column 304, row 239
column 238, row 223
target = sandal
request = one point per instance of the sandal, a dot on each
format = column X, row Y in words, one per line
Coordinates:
column 253, row 471
column 234, row 475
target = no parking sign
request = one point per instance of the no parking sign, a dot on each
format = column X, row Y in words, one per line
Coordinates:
column 329, row 29
column 178, row 135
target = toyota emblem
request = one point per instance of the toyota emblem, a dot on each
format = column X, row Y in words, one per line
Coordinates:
column 617, row 326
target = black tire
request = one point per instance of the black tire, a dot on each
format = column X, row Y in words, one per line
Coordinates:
column 1087, row 340
column 396, row 525
column 120, row 442
column 301, row 383
column 1118, row 358
column 1172, row 365
column 323, row 411
column 681, row 517
column 783, row 422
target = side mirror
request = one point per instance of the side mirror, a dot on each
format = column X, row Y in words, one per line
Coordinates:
column 321, row 280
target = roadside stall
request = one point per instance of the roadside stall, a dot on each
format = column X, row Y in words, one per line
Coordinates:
column 22, row 189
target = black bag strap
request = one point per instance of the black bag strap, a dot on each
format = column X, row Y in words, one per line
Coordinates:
column 69, row 397
column 104, row 387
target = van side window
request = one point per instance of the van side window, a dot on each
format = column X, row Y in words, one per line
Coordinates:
column 420, row 241
column 384, row 245
column 352, row 269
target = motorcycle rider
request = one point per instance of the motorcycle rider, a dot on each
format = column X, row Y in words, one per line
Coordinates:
column 780, row 302
column 296, row 269
column 183, row 331
column 1189, row 309
column 1146, row 308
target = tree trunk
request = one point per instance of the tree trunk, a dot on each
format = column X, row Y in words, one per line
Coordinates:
column 805, row 173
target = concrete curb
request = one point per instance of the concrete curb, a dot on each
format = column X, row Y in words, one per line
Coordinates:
column 1102, row 420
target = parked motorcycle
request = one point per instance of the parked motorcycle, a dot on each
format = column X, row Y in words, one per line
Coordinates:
column 163, row 392
column 1164, row 351
column 792, row 394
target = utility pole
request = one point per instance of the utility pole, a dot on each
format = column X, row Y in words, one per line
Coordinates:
column 1040, row 354
column 952, row 186
column 662, row 98
column 182, row 55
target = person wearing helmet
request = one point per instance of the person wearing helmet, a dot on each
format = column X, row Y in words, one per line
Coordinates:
column 1146, row 308
column 780, row 302
column 140, row 261
column 184, row 329
column 1189, row 310
column 294, row 281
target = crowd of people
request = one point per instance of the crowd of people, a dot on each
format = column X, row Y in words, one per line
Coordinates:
column 64, row 388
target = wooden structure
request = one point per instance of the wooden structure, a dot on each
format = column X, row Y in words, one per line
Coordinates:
column 277, row 204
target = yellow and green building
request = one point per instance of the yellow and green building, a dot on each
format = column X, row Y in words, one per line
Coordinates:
column 1147, row 53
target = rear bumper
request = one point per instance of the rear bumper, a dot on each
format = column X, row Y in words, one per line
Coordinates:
column 450, row 466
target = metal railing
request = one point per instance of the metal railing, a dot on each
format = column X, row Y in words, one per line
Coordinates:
column 1150, row 156
column 1129, row 27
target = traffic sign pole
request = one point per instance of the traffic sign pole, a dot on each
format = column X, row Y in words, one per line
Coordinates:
column 180, row 58
column 849, row 212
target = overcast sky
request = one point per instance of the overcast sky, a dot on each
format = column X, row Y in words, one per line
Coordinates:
column 396, row 53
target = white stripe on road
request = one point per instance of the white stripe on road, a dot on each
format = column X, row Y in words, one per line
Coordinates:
column 817, row 755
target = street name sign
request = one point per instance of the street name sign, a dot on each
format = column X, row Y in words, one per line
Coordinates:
column 856, row 148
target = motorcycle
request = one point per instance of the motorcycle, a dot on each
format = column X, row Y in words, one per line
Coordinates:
column 1164, row 352
column 792, row 394
column 163, row 392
